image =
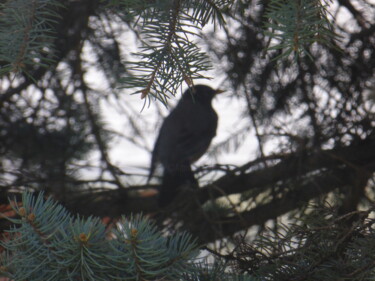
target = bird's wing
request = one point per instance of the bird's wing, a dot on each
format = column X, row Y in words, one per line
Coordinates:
column 184, row 136
column 191, row 134
column 197, row 132
column 194, row 143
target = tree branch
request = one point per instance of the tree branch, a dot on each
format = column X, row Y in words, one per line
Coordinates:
column 324, row 172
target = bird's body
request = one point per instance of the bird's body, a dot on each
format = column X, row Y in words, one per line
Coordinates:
column 183, row 138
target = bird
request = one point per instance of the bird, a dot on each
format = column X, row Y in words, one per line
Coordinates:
column 184, row 137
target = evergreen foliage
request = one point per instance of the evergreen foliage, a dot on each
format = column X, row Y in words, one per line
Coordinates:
column 46, row 242
column 313, row 120
column 296, row 25
column 320, row 246
column 169, row 56
column 27, row 34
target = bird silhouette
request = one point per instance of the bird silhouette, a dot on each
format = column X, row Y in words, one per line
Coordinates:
column 184, row 137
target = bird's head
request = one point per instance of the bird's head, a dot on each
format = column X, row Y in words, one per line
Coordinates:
column 201, row 93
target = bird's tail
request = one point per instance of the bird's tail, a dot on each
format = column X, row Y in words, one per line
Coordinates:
column 173, row 179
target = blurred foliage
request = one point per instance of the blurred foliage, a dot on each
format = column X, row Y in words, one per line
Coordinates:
column 322, row 245
column 27, row 34
column 304, row 111
column 168, row 55
column 296, row 25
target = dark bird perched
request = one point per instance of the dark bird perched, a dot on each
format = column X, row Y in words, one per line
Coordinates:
column 183, row 138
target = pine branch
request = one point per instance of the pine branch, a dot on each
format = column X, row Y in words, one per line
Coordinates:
column 48, row 243
column 26, row 30
column 293, row 26
column 321, row 246
column 168, row 56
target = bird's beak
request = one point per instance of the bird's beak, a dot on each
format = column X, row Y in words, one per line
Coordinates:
column 219, row 91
